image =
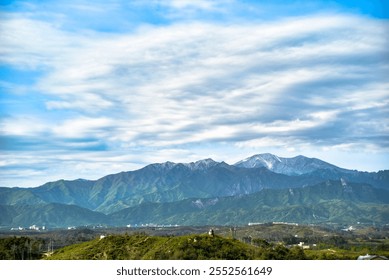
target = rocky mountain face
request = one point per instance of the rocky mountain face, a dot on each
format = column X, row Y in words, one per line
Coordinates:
column 166, row 184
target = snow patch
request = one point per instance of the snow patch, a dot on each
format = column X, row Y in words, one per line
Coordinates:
column 277, row 158
column 203, row 204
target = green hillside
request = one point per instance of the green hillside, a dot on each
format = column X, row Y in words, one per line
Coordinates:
column 188, row 247
column 327, row 202
column 323, row 203
column 51, row 215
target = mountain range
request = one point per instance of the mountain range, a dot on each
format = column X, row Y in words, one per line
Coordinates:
column 261, row 188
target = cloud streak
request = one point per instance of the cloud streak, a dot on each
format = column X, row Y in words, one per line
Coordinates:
column 308, row 81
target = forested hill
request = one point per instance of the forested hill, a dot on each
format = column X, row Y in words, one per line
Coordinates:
column 188, row 247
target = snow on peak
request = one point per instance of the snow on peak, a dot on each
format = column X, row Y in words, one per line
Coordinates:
column 201, row 164
column 260, row 160
column 165, row 165
column 290, row 166
column 198, row 165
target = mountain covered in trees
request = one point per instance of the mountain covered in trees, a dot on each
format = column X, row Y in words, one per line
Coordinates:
column 261, row 188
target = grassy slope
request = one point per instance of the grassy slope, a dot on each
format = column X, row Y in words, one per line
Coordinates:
column 120, row 247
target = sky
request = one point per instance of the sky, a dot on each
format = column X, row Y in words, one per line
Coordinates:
column 90, row 88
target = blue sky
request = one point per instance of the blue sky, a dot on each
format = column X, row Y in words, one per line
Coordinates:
column 89, row 88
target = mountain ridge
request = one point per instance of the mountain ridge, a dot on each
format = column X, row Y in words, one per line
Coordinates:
column 287, row 205
column 297, row 165
column 331, row 201
column 171, row 182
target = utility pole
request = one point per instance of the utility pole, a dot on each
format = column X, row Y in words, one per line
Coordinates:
column 233, row 232
column 50, row 246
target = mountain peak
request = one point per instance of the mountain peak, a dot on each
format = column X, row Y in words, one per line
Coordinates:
column 197, row 165
column 202, row 164
column 290, row 166
column 260, row 160
column 162, row 166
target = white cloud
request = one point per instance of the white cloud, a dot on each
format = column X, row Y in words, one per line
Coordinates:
column 23, row 126
column 199, row 4
column 88, row 102
column 83, row 128
column 289, row 84
column 31, row 43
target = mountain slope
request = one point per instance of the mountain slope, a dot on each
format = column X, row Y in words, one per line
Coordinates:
column 161, row 183
column 261, row 188
column 169, row 182
column 50, row 215
column 330, row 201
column 288, row 166
column 13, row 196
column 74, row 192
column 327, row 202
column 188, row 247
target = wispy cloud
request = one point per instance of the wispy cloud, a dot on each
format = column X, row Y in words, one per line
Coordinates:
column 164, row 91
column 183, row 4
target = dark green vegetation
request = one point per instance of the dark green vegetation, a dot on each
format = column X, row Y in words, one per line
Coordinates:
column 267, row 241
column 21, row 248
column 188, row 247
column 328, row 202
column 322, row 203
